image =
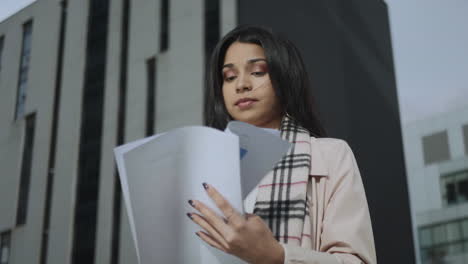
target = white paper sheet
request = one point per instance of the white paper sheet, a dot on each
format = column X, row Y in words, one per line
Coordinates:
column 161, row 173
column 264, row 149
column 118, row 152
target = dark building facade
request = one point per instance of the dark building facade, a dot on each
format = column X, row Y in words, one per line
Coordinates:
column 346, row 46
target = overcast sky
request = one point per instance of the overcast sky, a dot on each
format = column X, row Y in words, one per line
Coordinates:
column 430, row 42
column 9, row 7
column 430, row 45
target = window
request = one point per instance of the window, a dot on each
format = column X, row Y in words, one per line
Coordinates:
column 5, row 238
column 455, row 188
column 2, row 40
column 436, row 148
column 150, row 107
column 445, row 239
column 23, row 70
column 164, row 31
column 89, row 158
column 465, row 137
column 25, row 176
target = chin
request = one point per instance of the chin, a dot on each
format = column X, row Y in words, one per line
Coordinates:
column 253, row 119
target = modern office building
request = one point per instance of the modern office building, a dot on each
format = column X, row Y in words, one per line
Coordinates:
column 436, row 151
column 78, row 78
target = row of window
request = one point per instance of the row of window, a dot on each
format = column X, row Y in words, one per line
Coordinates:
column 436, row 146
column 211, row 37
column 445, row 239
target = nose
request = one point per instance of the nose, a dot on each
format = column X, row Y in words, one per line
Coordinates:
column 243, row 84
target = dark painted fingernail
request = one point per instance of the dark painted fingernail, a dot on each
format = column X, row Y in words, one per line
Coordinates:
column 190, row 202
column 205, row 185
column 196, row 233
column 190, row 216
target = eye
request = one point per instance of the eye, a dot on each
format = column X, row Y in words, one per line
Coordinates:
column 230, row 78
column 258, row 74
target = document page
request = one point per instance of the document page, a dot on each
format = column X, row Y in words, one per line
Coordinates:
column 159, row 174
column 163, row 173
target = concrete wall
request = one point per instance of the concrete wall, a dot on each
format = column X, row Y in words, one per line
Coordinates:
column 41, row 76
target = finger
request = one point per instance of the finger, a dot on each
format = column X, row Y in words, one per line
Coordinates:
column 201, row 221
column 247, row 216
column 212, row 218
column 210, row 240
column 232, row 214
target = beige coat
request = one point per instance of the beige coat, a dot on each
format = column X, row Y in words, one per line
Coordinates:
column 341, row 224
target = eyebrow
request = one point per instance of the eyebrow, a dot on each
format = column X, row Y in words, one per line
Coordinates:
column 251, row 61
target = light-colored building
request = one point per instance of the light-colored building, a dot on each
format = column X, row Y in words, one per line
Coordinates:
column 436, row 153
column 76, row 79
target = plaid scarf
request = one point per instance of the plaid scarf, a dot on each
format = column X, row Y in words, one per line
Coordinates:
column 281, row 200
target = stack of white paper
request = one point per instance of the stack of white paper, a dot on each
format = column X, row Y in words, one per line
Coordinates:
column 160, row 173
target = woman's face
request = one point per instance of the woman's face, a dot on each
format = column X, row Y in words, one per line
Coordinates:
column 247, row 90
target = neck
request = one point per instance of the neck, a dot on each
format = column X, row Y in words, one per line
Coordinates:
column 273, row 124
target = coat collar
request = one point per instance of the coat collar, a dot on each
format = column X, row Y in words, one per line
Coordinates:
column 319, row 166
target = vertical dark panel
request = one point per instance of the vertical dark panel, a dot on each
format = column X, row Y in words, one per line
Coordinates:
column 212, row 24
column 23, row 69
column 164, row 30
column 26, row 163
column 347, row 50
column 84, row 231
column 122, row 108
column 373, row 116
column 53, row 137
column 2, row 40
column 151, row 95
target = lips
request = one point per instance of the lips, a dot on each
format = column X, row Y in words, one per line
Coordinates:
column 245, row 100
column 245, row 103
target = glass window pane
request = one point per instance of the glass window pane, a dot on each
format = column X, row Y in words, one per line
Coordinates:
column 463, row 190
column 464, row 225
column 24, row 66
column 451, row 195
column 453, row 231
column 5, row 247
column 425, row 237
column 436, row 254
column 424, row 255
column 439, row 234
column 454, row 249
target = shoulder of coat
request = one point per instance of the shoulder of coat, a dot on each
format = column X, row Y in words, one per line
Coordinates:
column 328, row 144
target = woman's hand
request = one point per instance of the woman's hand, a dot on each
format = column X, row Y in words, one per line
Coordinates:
column 246, row 237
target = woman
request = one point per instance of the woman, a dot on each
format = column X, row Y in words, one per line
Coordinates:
column 311, row 208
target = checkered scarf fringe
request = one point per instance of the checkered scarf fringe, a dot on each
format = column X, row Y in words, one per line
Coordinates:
column 281, row 200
